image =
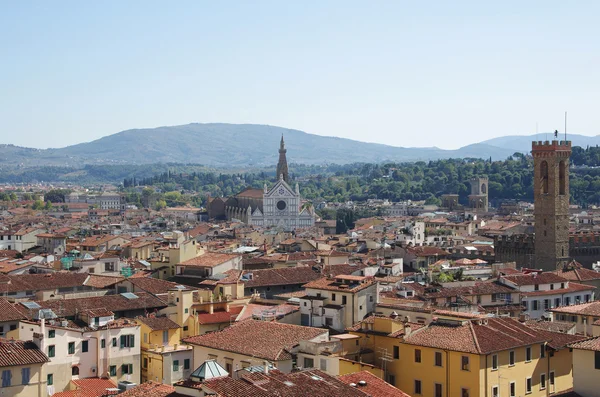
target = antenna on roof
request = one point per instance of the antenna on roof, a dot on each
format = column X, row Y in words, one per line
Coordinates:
column 565, row 126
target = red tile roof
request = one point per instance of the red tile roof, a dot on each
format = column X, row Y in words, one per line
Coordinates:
column 477, row 336
column 93, row 387
column 375, row 386
column 8, row 312
column 210, row 259
column 151, row 389
column 534, row 278
column 585, row 309
column 158, row 323
column 266, row 340
column 576, row 272
column 280, row 276
column 588, row 344
column 18, row 352
column 219, row 317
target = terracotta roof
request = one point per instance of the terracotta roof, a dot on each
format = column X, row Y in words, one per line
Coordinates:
column 477, row 336
column 553, row 326
column 576, row 272
column 588, row 344
column 93, row 387
column 534, row 278
column 17, row 352
column 427, row 251
column 101, row 282
column 279, row 276
column 267, row 340
column 221, row 316
column 335, row 284
column 115, row 303
column 158, row 323
column 152, row 285
column 310, row 382
column 375, row 386
column 8, row 312
column 151, row 389
column 210, row 259
column 585, row 309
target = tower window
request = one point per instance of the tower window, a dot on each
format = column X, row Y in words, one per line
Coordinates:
column 562, row 180
column 544, row 177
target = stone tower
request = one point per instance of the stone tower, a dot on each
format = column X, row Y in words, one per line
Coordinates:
column 478, row 199
column 551, row 200
column 282, row 168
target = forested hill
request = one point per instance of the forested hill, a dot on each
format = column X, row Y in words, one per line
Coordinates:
column 508, row 179
column 248, row 145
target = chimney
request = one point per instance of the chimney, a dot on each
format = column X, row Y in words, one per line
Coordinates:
column 211, row 308
column 266, row 370
column 227, row 308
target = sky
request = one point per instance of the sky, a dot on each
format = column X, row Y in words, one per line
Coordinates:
column 413, row 74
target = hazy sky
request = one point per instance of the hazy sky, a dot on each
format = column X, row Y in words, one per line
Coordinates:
column 416, row 73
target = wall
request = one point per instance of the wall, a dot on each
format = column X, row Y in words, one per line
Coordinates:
column 35, row 387
column 585, row 376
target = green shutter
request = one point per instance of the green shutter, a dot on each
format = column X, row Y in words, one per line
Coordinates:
column 123, row 340
column 176, row 365
column 132, row 340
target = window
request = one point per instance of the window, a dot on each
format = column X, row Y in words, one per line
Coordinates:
column 75, row 371
column 438, row 359
column 6, row 377
column 528, row 354
column 309, row 362
column 562, row 285
column 360, row 307
column 145, row 363
column 127, row 341
column 542, row 351
column 546, row 304
column 114, row 342
column 112, row 370
column 494, row 362
column 551, row 382
column 50, row 379
column 528, row 385
column 438, row 390
column 185, row 327
column 333, row 297
column 186, row 363
column 512, row 389
column 494, row 297
column 464, row 392
column 51, row 333
column 535, row 305
column 175, row 365
column 84, row 346
column 186, row 310
column 418, row 387
column 109, row 267
column 102, row 343
column 557, row 302
column 323, row 364
column 344, row 300
column 25, row 374
column 396, row 352
column 51, row 351
column 597, row 360
column 71, row 347
column 128, row 368
column 511, row 357
column 329, row 321
column 551, row 286
column 370, row 298
column 542, row 381
column 495, row 392
column 464, row 363
column 567, row 300
column 417, row 355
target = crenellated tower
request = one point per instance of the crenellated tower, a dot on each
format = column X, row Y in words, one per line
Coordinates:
column 551, row 201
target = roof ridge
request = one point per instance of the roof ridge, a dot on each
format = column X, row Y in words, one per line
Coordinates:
column 474, row 336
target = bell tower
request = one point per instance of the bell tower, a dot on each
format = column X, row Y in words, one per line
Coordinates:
column 551, row 203
column 282, row 167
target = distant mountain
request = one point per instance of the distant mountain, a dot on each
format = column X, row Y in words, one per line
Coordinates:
column 516, row 143
column 248, row 145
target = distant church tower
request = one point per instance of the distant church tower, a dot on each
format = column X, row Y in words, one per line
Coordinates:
column 282, row 168
column 551, row 200
column 478, row 199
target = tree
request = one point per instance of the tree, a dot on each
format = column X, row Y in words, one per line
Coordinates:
column 37, row 205
column 160, row 204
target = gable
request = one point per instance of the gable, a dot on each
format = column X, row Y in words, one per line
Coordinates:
column 281, row 189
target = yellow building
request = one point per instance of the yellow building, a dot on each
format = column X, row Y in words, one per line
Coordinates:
column 22, row 369
column 496, row 357
column 164, row 358
column 586, row 366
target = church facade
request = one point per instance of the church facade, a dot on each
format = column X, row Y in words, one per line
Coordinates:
column 281, row 206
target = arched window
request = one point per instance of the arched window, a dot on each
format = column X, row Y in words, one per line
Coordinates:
column 75, row 371
column 562, row 180
column 483, row 188
column 544, row 177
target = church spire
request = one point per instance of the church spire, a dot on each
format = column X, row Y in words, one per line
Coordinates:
column 282, row 168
